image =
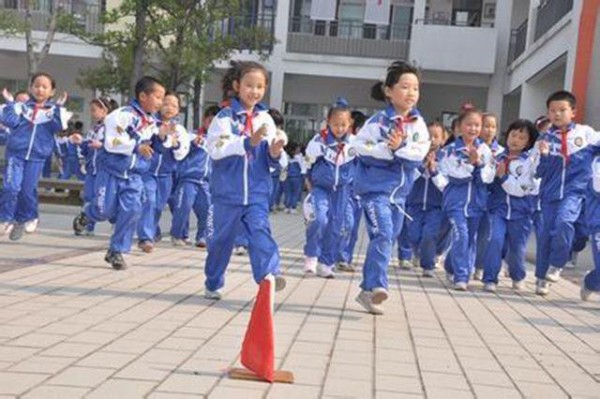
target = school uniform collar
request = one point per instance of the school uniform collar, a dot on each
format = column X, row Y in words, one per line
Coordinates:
column 140, row 111
column 460, row 143
column 412, row 116
column 329, row 139
column 238, row 109
column 522, row 156
column 31, row 103
column 494, row 145
column 556, row 130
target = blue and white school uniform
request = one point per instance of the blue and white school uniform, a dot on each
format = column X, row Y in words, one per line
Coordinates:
column 71, row 160
column 31, row 140
column 592, row 212
column 383, row 179
column 192, row 192
column 93, row 158
column 565, row 173
column 158, row 180
column 511, row 206
column 349, row 235
column 331, row 172
column 277, row 190
column 464, row 202
column 296, row 170
column 118, row 187
column 240, row 186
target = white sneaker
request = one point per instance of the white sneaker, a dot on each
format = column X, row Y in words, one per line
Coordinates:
column 288, row 210
column 294, row 211
column 542, row 287
column 280, row 283
column 439, row 262
column 460, row 286
column 553, row 274
column 310, row 264
column 416, row 262
column 240, row 251
column 31, row 226
column 177, row 242
column 406, row 264
column 489, row 287
column 215, row 295
column 325, row 271
column 6, row 228
column 518, row 285
column 478, row 275
column 380, row 295
column 585, row 294
column 572, row 263
column 449, row 278
column 365, row 299
column 428, row 273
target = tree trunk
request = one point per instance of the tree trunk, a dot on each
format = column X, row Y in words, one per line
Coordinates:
column 33, row 59
column 139, row 46
column 197, row 117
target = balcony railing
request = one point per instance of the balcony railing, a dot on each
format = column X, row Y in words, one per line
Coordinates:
column 85, row 14
column 518, row 41
column 549, row 12
column 252, row 32
column 349, row 38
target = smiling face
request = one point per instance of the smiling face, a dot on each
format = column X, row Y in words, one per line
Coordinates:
column 97, row 112
column 489, row 129
column 404, row 95
column 340, row 123
column 251, row 88
column 517, row 141
column 561, row 113
column 152, row 101
column 170, row 107
column 470, row 127
column 42, row 89
column 438, row 136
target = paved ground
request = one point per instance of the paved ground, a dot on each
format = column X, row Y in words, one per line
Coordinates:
column 72, row 327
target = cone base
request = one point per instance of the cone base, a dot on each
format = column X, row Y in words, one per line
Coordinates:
column 238, row 373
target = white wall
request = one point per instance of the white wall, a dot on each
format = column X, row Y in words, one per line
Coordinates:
column 535, row 92
column 520, row 13
column 437, row 98
column 592, row 111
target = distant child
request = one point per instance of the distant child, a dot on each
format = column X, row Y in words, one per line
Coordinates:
column 296, row 170
column 332, row 170
column 391, row 145
column 33, row 126
column 127, row 155
column 91, row 148
column 277, row 191
column 468, row 165
column 243, row 144
column 565, row 156
column 72, row 160
column 591, row 281
column 193, row 186
column 510, row 207
column 170, row 146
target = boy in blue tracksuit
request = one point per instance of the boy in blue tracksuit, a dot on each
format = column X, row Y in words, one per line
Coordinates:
column 127, row 155
column 33, row 126
column 72, row 157
column 510, row 207
column 331, row 172
column 565, row 155
column 467, row 163
column 296, row 170
column 424, row 205
column 243, row 144
column 591, row 282
column 170, row 145
column 391, row 145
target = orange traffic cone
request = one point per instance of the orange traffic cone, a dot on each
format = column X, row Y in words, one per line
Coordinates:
column 258, row 348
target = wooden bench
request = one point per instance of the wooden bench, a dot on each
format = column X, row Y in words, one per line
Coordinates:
column 58, row 191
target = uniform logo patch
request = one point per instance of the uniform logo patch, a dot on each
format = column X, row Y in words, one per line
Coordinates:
column 579, row 142
column 519, row 170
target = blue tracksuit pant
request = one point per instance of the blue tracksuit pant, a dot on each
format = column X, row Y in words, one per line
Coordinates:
column 276, row 193
column 293, row 191
column 423, row 233
column 262, row 248
column 190, row 196
column 47, row 171
column 405, row 249
column 71, row 167
column 384, row 223
column 18, row 201
column 157, row 190
column 88, row 195
column 512, row 234
column 464, row 244
column 592, row 279
column 120, row 201
column 556, row 238
column 323, row 234
column 352, row 224
column 483, row 236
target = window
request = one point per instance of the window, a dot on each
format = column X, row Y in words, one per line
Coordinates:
column 351, row 16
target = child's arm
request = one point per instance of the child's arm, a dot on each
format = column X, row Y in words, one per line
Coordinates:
column 520, row 186
column 416, row 145
column 118, row 138
column 487, row 170
column 182, row 148
column 314, row 150
column 369, row 143
column 221, row 142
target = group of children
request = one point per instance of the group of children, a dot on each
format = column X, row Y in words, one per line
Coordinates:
column 461, row 200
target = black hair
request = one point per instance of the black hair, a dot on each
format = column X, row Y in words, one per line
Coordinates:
column 43, row 74
column 146, row 84
column 212, row 110
column 340, row 105
column 174, row 94
column 466, row 110
column 277, row 117
column 105, row 102
column 18, row 93
column 394, row 73
column 236, row 71
column 562, row 95
column 524, row 125
column 359, row 119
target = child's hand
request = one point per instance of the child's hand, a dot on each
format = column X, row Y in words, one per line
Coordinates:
column 146, row 151
column 198, row 140
column 276, row 148
column 60, row 101
column 544, row 147
column 7, row 95
column 501, row 169
column 95, row 144
column 76, row 138
column 163, row 131
column 430, row 162
column 473, row 156
column 396, row 139
column 174, row 140
column 257, row 136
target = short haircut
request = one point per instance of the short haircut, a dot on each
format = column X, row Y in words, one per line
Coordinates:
column 146, row 84
column 562, row 95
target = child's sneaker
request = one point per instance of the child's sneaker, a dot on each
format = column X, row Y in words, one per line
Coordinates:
column 6, row 228
column 146, row 246
column 428, row 273
column 572, row 263
column 553, row 274
column 177, row 242
column 288, row 210
column 89, row 233
column 460, row 286
column 518, row 285
column 280, row 283
column 240, row 251
column 116, row 260
column 416, row 262
column 365, row 299
column 489, row 287
column 380, row 295
column 215, row 295
column 439, row 262
column 405, row 264
column 345, row 267
column 294, row 211
column 31, row 226
column 201, row 244
column 80, row 223
column 478, row 275
column 325, row 271
column 449, row 278
column 310, row 264
column 17, row 232
column 542, row 287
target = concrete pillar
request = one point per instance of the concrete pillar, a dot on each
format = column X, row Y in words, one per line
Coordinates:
column 275, row 64
column 533, row 101
column 572, row 53
column 418, row 11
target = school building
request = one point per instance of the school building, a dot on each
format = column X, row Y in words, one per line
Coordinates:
column 505, row 56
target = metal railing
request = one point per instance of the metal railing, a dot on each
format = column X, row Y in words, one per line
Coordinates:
column 350, row 38
column 252, row 32
column 474, row 22
column 549, row 12
column 518, row 41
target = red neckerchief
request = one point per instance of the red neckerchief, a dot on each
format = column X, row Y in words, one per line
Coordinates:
column 143, row 117
column 401, row 121
column 507, row 161
column 248, row 125
column 340, row 146
column 36, row 108
column 564, row 148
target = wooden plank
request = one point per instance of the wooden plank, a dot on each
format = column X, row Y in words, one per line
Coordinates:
column 238, row 373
